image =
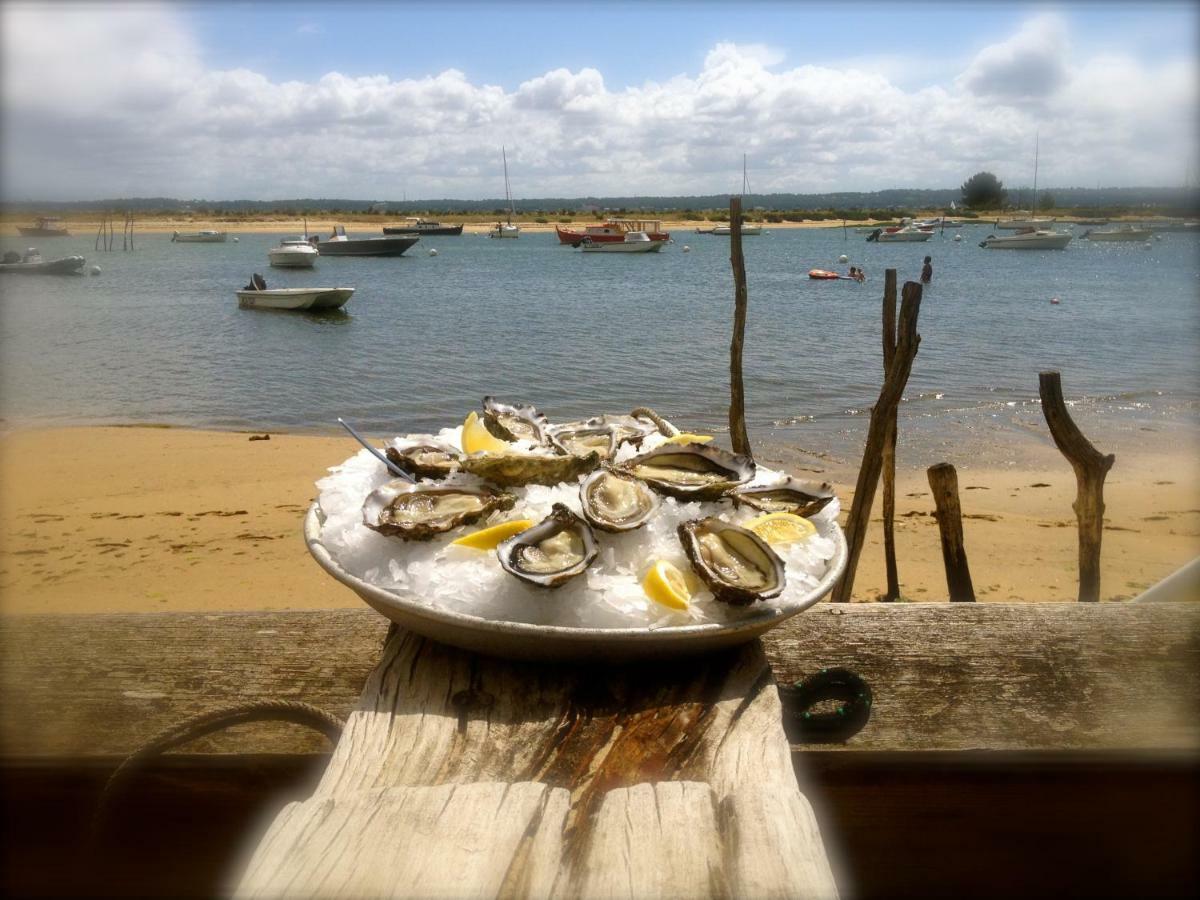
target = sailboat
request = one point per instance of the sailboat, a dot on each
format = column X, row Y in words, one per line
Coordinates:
column 747, row 229
column 1033, row 221
column 502, row 229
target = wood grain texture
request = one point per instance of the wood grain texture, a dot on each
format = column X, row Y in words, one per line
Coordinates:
column 943, row 482
column 642, row 781
column 996, row 676
column 738, row 436
column 889, row 445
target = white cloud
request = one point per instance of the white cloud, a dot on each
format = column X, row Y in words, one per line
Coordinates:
column 116, row 102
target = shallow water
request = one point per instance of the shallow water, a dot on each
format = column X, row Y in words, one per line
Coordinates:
column 158, row 336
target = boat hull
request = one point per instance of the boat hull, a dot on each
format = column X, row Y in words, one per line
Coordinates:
column 295, row 298
column 1026, row 242
column 1127, row 237
column 639, row 247
column 904, row 237
column 601, row 235
column 201, row 237
column 382, row 246
column 68, row 265
column 409, row 229
column 34, row 231
column 292, row 259
column 725, row 231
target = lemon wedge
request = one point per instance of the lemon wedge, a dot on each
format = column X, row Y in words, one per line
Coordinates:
column 686, row 437
column 477, row 439
column 782, row 528
column 665, row 584
column 488, row 538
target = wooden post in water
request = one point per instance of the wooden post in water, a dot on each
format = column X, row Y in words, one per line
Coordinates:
column 737, row 395
column 943, row 481
column 889, row 443
column 1091, row 467
column 872, row 461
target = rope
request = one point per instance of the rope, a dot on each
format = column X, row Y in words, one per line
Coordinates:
column 665, row 427
column 803, row 726
column 206, row 723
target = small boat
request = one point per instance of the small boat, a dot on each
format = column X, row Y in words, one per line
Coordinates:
column 906, row 232
column 1028, row 239
column 293, row 253
column 47, row 226
column 422, row 226
column 199, row 237
column 747, row 230
column 826, row 275
column 33, row 264
column 1126, row 233
column 634, row 242
column 339, row 245
column 612, row 231
column 1022, row 224
column 256, row 295
column 506, row 229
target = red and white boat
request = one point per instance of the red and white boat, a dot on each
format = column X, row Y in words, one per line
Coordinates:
column 612, row 232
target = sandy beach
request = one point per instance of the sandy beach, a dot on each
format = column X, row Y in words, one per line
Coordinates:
column 125, row 519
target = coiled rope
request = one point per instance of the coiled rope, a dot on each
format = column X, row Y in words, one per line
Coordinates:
column 645, row 412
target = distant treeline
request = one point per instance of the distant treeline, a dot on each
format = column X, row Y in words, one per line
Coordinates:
column 873, row 204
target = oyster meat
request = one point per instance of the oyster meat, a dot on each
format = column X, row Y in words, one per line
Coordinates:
column 426, row 459
column 514, row 423
column 580, row 440
column 616, row 502
column 551, row 552
column 417, row 512
column 691, row 471
column 513, row 468
column 801, row 498
column 737, row 565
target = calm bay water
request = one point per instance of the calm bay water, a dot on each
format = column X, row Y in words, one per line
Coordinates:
column 158, row 337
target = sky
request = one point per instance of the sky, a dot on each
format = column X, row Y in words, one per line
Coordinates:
column 388, row 101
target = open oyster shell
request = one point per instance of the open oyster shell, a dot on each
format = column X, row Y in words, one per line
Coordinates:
column 691, row 471
column 417, row 512
column 514, row 422
column 423, row 458
column 514, row 468
column 793, row 495
column 615, row 502
column 580, row 440
column 551, row 552
column 737, row 565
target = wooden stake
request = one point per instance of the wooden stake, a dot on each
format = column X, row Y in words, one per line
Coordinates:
column 1091, row 467
column 943, row 481
column 872, row 462
column 889, row 444
column 737, row 395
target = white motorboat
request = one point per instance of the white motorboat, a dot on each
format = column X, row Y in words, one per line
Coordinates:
column 1028, row 239
column 635, row 242
column 1021, row 224
column 256, row 295
column 747, row 230
column 199, row 237
column 1126, row 233
column 293, row 253
column 904, row 233
column 506, row 229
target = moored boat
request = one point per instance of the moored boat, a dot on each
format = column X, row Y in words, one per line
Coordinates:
column 1028, row 239
column 612, row 231
column 1124, row 233
column 47, row 226
column 338, row 244
column 748, row 230
column 506, row 229
column 423, row 226
column 199, row 237
column 633, row 242
column 293, row 253
column 256, row 295
column 33, row 264
column 904, row 233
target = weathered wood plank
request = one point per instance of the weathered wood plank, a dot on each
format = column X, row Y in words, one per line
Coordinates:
column 661, row 780
column 945, row 676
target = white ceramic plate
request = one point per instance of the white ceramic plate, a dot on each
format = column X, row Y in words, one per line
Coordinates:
column 519, row 640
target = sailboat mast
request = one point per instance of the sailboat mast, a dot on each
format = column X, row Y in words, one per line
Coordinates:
column 745, row 182
column 1036, row 136
column 507, row 193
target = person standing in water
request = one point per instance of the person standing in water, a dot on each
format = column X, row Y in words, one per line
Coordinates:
column 927, row 270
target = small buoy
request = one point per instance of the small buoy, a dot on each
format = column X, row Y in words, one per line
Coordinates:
column 235, row 240
column 687, row 249
column 843, row 258
column 958, row 237
column 1054, row 301
column 432, row 252
column 95, row 270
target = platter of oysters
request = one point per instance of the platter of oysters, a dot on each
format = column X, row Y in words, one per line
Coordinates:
column 614, row 537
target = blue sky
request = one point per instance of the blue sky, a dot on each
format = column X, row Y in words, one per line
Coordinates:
column 382, row 100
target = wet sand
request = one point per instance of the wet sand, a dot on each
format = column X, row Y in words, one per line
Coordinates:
column 103, row 519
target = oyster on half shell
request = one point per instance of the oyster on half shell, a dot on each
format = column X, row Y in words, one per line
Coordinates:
column 551, row 552
column 616, row 502
column 424, row 458
column 737, row 565
column 691, row 471
column 792, row 495
column 514, row 422
column 417, row 512
column 580, row 440
column 514, row 467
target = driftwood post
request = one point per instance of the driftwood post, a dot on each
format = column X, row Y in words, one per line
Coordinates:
column 889, row 443
column 462, row 776
column 737, row 395
column 872, row 461
column 943, row 481
column 1091, row 467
